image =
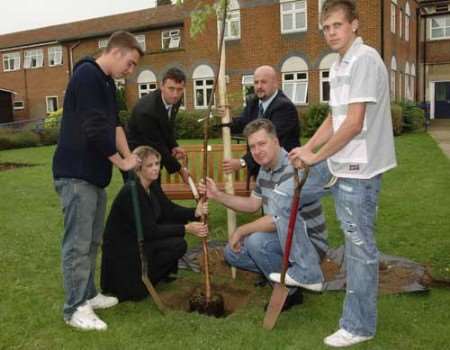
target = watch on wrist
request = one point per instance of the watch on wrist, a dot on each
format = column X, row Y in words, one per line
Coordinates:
column 242, row 162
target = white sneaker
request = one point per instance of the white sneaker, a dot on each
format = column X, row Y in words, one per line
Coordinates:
column 101, row 301
column 289, row 281
column 342, row 338
column 85, row 318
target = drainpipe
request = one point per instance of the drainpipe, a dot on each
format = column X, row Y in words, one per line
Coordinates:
column 427, row 115
column 71, row 48
column 382, row 31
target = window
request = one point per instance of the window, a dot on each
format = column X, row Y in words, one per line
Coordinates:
column 11, row 61
column 102, row 43
column 295, row 86
column 52, row 103
column 400, row 24
column 247, row 86
column 295, row 79
column 170, row 39
column 141, row 41
column 407, row 20
column 146, row 83
column 54, row 56
column 320, row 13
column 34, row 58
column 18, row 105
column 407, row 82
column 325, row 65
column 440, row 27
column 393, row 15
column 203, row 78
column 393, row 73
column 400, row 82
column 413, row 82
column 233, row 21
column 293, row 16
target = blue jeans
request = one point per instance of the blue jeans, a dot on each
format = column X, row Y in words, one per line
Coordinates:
column 84, row 207
column 356, row 203
column 260, row 252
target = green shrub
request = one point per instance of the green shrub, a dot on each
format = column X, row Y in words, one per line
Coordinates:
column 19, row 139
column 314, row 117
column 413, row 116
column 53, row 119
column 188, row 127
column 397, row 118
column 124, row 117
column 49, row 136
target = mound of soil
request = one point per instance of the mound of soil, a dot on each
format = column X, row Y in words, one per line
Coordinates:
column 11, row 166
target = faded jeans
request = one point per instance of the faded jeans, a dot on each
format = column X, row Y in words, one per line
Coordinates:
column 84, row 208
column 356, row 206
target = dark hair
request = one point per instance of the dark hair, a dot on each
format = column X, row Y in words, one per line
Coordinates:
column 348, row 6
column 123, row 40
column 174, row 74
column 260, row 124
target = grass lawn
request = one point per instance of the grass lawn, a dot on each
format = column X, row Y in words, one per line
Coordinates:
column 413, row 222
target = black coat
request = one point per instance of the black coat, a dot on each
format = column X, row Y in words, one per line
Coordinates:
column 281, row 112
column 150, row 125
column 163, row 225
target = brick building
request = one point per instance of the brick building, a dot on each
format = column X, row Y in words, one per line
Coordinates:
column 284, row 33
column 434, row 57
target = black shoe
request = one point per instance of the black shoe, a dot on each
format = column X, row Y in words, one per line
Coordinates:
column 168, row 279
column 262, row 281
column 294, row 299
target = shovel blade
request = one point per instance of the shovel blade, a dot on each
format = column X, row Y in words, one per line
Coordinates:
column 154, row 294
column 279, row 295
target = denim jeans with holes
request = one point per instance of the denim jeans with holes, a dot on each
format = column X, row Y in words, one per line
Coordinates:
column 356, row 206
column 84, row 208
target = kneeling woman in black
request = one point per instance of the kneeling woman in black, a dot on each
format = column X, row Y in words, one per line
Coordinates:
column 164, row 224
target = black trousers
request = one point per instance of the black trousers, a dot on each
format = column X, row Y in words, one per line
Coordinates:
column 121, row 273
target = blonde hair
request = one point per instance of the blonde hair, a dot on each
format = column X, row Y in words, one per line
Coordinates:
column 143, row 152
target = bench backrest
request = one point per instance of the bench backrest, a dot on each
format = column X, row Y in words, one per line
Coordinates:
column 215, row 158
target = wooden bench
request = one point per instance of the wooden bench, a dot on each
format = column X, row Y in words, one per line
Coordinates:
column 174, row 187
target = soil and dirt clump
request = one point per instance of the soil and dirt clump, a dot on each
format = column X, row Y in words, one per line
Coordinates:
column 11, row 166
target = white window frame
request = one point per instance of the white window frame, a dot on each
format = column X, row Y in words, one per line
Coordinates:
column 400, row 23
column 407, row 20
column 34, row 58
column 48, row 104
column 319, row 11
column 393, row 77
column 233, row 17
column 102, row 43
column 393, row 15
column 146, row 88
column 18, row 105
column 324, row 80
column 413, row 81
column 55, row 56
column 172, row 37
column 207, row 84
column 293, row 12
column 247, row 82
column 296, row 83
column 444, row 27
column 140, row 38
column 11, row 61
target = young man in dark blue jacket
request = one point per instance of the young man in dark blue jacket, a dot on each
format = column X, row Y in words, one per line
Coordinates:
column 90, row 142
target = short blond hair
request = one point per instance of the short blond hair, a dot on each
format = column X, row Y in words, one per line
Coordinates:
column 348, row 6
column 143, row 152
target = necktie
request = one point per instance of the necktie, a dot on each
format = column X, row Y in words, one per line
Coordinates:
column 260, row 110
column 169, row 110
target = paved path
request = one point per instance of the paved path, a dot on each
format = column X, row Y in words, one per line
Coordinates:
column 440, row 131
